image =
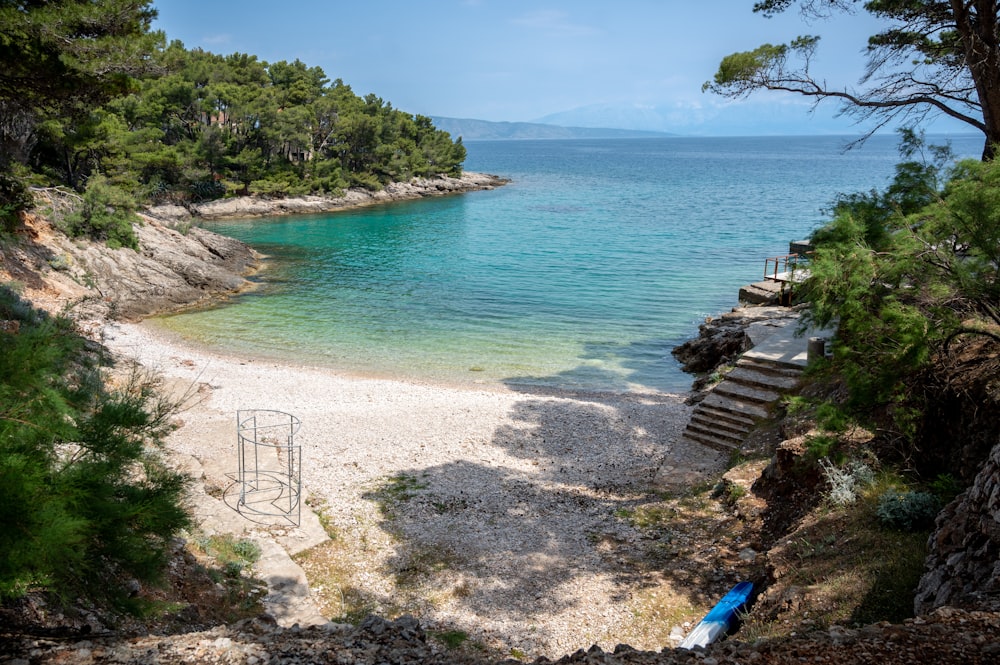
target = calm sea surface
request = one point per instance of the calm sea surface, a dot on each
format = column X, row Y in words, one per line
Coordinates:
column 583, row 273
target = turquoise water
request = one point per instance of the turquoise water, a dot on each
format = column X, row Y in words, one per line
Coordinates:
column 582, row 273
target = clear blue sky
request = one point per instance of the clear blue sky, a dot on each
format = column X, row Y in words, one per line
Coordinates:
column 515, row 60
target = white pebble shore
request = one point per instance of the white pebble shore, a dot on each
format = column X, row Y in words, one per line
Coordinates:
column 516, row 491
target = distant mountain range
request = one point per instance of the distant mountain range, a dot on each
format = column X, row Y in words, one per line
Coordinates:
column 780, row 116
column 771, row 116
column 471, row 130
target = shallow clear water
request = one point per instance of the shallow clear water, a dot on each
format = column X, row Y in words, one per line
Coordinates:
column 582, row 273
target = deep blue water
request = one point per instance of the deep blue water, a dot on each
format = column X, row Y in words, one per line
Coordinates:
column 583, row 273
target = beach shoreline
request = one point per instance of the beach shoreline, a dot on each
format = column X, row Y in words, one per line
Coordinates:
column 515, row 491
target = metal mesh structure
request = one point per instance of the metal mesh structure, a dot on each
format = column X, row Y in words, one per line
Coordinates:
column 270, row 464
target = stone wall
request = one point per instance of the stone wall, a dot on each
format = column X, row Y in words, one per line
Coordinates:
column 963, row 565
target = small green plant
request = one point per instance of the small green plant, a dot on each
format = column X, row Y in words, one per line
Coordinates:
column 451, row 638
column 322, row 510
column 61, row 262
column 796, row 404
column 946, row 487
column 819, row 446
column 907, row 511
column 233, row 554
column 397, row 490
column 831, row 417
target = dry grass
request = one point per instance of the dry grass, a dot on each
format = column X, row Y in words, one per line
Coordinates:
column 840, row 566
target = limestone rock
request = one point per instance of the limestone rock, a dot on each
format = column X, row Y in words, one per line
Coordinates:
column 356, row 197
column 722, row 339
column 963, row 563
column 171, row 270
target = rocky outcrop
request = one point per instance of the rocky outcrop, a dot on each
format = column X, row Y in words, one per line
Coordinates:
column 252, row 206
column 963, row 564
column 722, row 339
column 170, row 271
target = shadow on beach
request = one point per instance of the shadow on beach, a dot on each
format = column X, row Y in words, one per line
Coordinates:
column 527, row 548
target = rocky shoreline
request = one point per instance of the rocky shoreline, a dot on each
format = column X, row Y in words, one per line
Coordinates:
column 356, row 197
column 178, row 265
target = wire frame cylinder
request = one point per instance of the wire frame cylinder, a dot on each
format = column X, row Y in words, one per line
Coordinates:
column 270, row 464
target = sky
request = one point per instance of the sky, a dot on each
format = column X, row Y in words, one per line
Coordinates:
column 521, row 61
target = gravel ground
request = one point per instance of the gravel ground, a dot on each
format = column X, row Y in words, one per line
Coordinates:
column 501, row 501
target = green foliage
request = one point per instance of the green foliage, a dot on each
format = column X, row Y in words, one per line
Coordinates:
column 907, row 511
column 87, row 92
column 452, row 639
column 87, row 503
column 903, row 272
column 918, row 64
column 14, row 197
column 831, row 417
column 107, row 213
column 945, row 487
column 819, row 446
column 233, row 554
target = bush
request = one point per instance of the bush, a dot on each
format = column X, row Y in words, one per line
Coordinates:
column 908, row 511
column 14, row 197
column 107, row 214
column 87, row 505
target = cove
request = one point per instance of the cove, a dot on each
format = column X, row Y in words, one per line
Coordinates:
column 581, row 274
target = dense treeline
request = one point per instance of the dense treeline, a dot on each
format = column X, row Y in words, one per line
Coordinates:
column 205, row 125
column 93, row 99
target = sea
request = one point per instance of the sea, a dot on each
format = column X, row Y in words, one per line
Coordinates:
column 581, row 274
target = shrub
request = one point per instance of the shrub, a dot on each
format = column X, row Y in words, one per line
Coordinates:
column 907, row 511
column 107, row 213
column 14, row 197
column 87, row 505
column 820, row 445
column 272, row 188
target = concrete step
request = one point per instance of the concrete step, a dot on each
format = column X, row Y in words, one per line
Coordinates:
column 710, row 441
column 709, row 421
column 756, row 378
column 760, row 293
column 740, row 420
column 769, row 367
column 735, row 406
column 709, row 430
column 744, row 393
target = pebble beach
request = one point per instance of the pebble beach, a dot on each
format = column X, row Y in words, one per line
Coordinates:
column 508, row 496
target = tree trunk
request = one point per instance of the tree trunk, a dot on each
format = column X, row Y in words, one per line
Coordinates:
column 981, row 41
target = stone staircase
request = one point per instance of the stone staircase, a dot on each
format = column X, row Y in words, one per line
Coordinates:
column 761, row 376
column 724, row 418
